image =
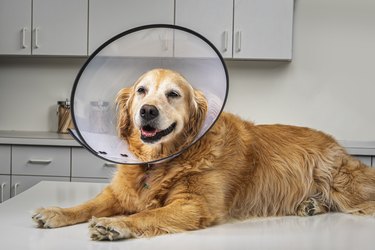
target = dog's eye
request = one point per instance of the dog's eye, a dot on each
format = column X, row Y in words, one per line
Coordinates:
column 173, row 94
column 141, row 90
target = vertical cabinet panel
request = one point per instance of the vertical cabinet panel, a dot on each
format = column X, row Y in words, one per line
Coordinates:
column 4, row 187
column 4, row 159
column 15, row 27
column 263, row 29
column 211, row 18
column 60, row 27
column 108, row 18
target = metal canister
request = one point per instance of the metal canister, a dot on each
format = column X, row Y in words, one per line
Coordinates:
column 64, row 116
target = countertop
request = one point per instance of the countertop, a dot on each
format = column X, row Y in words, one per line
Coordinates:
column 37, row 138
column 55, row 139
column 328, row 231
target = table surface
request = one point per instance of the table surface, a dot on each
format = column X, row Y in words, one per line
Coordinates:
column 328, row 231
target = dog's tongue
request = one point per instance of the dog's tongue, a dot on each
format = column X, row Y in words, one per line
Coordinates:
column 149, row 132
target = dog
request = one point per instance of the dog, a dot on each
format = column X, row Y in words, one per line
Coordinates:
column 236, row 171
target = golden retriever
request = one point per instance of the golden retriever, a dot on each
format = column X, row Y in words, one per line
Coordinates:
column 237, row 170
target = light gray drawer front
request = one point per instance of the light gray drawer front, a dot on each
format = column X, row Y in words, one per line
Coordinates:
column 21, row 183
column 364, row 159
column 93, row 180
column 84, row 164
column 4, row 159
column 4, row 187
column 32, row 160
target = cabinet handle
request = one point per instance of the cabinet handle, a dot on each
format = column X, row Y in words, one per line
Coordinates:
column 2, row 192
column 110, row 165
column 164, row 42
column 36, row 44
column 39, row 161
column 225, row 35
column 239, row 41
column 24, row 38
column 16, row 188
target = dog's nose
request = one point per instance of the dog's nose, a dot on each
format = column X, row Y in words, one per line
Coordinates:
column 149, row 112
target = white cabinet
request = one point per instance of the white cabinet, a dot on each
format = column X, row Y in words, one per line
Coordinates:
column 85, row 164
column 60, row 27
column 15, row 27
column 21, row 183
column 108, row 18
column 211, row 18
column 263, row 29
column 4, row 159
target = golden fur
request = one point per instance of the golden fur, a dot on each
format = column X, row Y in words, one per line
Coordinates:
column 238, row 170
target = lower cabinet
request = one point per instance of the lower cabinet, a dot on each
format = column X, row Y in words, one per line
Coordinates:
column 21, row 183
column 4, row 187
column 93, row 180
column 364, row 159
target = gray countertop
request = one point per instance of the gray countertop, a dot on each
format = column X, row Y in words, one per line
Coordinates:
column 55, row 139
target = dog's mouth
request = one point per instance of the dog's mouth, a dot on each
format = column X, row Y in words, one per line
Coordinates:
column 150, row 134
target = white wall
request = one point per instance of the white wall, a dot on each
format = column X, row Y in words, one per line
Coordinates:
column 329, row 85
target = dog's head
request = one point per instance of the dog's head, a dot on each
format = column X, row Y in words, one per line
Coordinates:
column 160, row 114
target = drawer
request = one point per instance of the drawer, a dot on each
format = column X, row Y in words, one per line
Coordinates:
column 364, row 159
column 35, row 160
column 21, row 183
column 4, row 187
column 4, row 159
column 85, row 164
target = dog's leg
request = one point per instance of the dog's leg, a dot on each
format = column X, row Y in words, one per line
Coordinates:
column 353, row 189
column 180, row 215
column 102, row 205
column 311, row 207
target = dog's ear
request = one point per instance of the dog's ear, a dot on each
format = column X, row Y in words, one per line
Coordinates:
column 123, row 100
column 198, row 113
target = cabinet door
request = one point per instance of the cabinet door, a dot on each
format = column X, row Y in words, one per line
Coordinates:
column 15, row 27
column 108, row 18
column 84, row 164
column 60, row 27
column 4, row 159
column 21, row 183
column 4, row 187
column 211, row 18
column 263, row 29
column 364, row 159
column 36, row 160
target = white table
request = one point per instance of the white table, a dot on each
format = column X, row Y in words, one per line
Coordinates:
column 330, row 231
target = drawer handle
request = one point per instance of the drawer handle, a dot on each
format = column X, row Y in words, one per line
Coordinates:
column 39, row 161
column 2, row 192
column 16, row 188
column 225, row 37
column 110, row 165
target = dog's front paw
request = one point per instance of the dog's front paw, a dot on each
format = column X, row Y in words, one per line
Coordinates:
column 109, row 229
column 50, row 217
column 310, row 207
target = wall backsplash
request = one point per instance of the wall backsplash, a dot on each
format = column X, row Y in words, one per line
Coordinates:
column 329, row 85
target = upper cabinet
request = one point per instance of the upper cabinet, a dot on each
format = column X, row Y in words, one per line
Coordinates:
column 108, row 18
column 15, row 27
column 211, row 18
column 263, row 29
column 59, row 27
column 239, row 29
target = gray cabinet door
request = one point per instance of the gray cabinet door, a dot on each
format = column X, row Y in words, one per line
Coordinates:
column 4, row 187
column 111, row 17
column 15, row 27
column 4, row 159
column 84, row 164
column 364, row 159
column 37, row 160
column 263, row 29
column 21, row 183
